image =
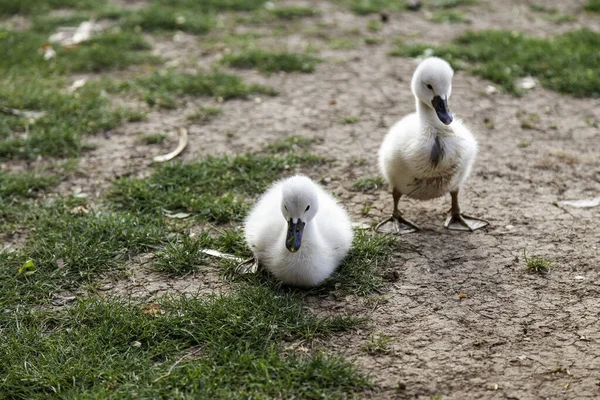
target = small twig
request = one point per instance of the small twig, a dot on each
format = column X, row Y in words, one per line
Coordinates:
column 183, row 141
column 176, row 363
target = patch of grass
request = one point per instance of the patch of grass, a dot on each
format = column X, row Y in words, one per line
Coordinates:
column 369, row 183
column 154, row 138
column 24, row 185
column 360, row 273
column 451, row 17
column 161, row 88
column 115, row 348
column 364, row 7
column 72, row 243
column 536, row 264
column 68, row 116
column 27, row 7
column 592, row 6
column 184, row 256
column 290, row 13
column 204, row 114
column 377, row 344
column 374, row 25
column 110, row 50
column 215, row 189
column 290, row 144
column 343, row 44
column 269, row 62
column 564, row 63
column 350, row 119
column 48, row 24
column 164, row 18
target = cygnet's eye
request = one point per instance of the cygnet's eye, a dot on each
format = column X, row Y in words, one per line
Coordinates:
column 429, row 87
column 307, row 208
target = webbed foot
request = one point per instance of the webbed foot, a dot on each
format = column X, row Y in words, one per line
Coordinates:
column 249, row 266
column 462, row 222
column 396, row 225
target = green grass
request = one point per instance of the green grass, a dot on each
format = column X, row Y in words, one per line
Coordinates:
column 451, row 17
column 31, row 83
column 162, row 18
column 377, row 344
column 350, row 119
column 290, row 144
column 161, row 88
column 71, row 244
column 183, row 256
column 214, row 189
column 48, row 24
column 364, row 7
column 204, row 114
column 537, row 264
column 566, row 63
column 369, row 183
column 269, row 62
column 110, row 50
column 27, row 7
column 154, row 138
column 290, row 13
column 24, row 185
column 592, row 6
column 68, row 116
column 113, row 348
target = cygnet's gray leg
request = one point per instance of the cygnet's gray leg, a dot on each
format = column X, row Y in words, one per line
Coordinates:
column 458, row 221
column 396, row 224
column 249, row 266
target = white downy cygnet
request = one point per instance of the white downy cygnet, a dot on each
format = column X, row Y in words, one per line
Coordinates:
column 299, row 232
column 428, row 153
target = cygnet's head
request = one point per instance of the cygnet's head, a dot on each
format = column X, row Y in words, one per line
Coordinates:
column 432, row 85
column 299, row 206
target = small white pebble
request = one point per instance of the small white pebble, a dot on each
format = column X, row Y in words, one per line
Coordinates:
column 579, row 278
column 490, row 89
column 527, row 83
column 510, row 227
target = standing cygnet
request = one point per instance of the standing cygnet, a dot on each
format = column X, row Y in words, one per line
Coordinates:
column 299, row 232
column 428, row 154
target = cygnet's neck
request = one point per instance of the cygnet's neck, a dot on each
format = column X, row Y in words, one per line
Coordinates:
column 429, row 118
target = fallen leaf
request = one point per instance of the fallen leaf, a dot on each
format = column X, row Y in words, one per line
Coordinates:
column 27, row 269
column 218, row 254
column 462, row 296
column 153, row 309
column 77, row 84
column 183, row 141
column 527, row 83
column 31, row 115
column 47, row 51
column 587, row 203
column 60, row 262
column 69, row 36
column 180, row 215
column 79, row 210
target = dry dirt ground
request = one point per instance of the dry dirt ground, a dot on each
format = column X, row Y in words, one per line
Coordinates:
column 515, row 335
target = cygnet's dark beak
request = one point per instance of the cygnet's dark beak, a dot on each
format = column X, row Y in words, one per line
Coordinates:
column 441, row 109
column 293, row 240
